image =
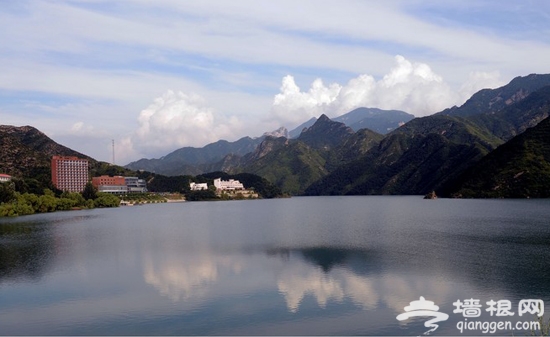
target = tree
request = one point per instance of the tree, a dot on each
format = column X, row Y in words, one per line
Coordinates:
column 106, row 200
column 90, row 192
column 7, row 192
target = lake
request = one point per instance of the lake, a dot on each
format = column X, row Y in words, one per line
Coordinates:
column 298, row 266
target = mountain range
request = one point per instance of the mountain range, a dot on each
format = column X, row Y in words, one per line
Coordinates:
column 431, row 153
column 494, row 145
column 402, row 155
column 380, row 121
column 212, row 157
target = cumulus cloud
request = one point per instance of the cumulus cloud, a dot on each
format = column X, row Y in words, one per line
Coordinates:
column 411, row 87
column 479, row 80
column 177, row 119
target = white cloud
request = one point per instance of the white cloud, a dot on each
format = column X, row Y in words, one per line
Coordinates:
column 294, row 106
column 411, row 87
column 480, row 80
column 177, row 119
column 232, row 53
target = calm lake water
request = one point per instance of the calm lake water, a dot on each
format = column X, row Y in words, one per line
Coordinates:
column 299, row 266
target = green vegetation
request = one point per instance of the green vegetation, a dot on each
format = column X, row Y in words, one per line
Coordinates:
column 161, row 183
column 296, row 164
column 143, row 198
column 204, row 195
column 441, row 152
column 291, row 168
column 518, row 169
column 15, row 203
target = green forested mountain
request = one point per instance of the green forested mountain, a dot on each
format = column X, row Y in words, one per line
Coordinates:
column 190, row 160
column 489, row 101
column 325, row 134
column 427, row 153
column 293, row 165
column 516, row 118
column 26, row 155
column 400, row 164
column 518, row 169
column 442, row 152
column 25, row 152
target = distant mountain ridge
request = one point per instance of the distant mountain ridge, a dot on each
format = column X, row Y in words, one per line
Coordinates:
column 430, row 153
column 489, row 101
column 495, row 145
column 223, row 155
column 378, row 120
column 191, row 160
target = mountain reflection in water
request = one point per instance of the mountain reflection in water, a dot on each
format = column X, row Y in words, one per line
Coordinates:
column 337, row 266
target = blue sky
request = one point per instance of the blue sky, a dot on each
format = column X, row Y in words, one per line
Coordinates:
column 158, row 75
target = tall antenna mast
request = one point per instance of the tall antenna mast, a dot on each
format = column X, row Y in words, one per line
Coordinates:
column 113, row 152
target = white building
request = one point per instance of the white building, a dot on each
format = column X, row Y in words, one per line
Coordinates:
column 135, row 185
column 198, row 187
column 4, row 178
column 115, row 189
column 228, row 185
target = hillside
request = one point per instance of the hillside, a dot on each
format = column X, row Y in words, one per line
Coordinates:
column 427, row 153
column 516, row 118
column 26, row 155
column 291, row 167
column 377, row 120
column 489, row 101
column 225, row 156
column 27, row 152
column 325, row 134
column 192, row 161
column 518, row 169
column 295, row 164
column 400, row 164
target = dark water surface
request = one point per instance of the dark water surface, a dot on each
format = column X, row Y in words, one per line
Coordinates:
column 299, row 266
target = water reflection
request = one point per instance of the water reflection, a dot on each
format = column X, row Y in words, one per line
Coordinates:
column 26, row 250
column 327, row 274
column 190, row 269
column 181, row 277
column 333, row 274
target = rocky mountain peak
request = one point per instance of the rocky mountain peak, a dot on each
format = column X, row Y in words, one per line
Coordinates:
column 280, row 132
column 326, row 133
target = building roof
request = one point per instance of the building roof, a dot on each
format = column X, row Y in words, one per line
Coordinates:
column 5, row 175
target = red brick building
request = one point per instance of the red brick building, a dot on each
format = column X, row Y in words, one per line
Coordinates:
column 107, row 180
column 109, row 184
column 69, row 173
